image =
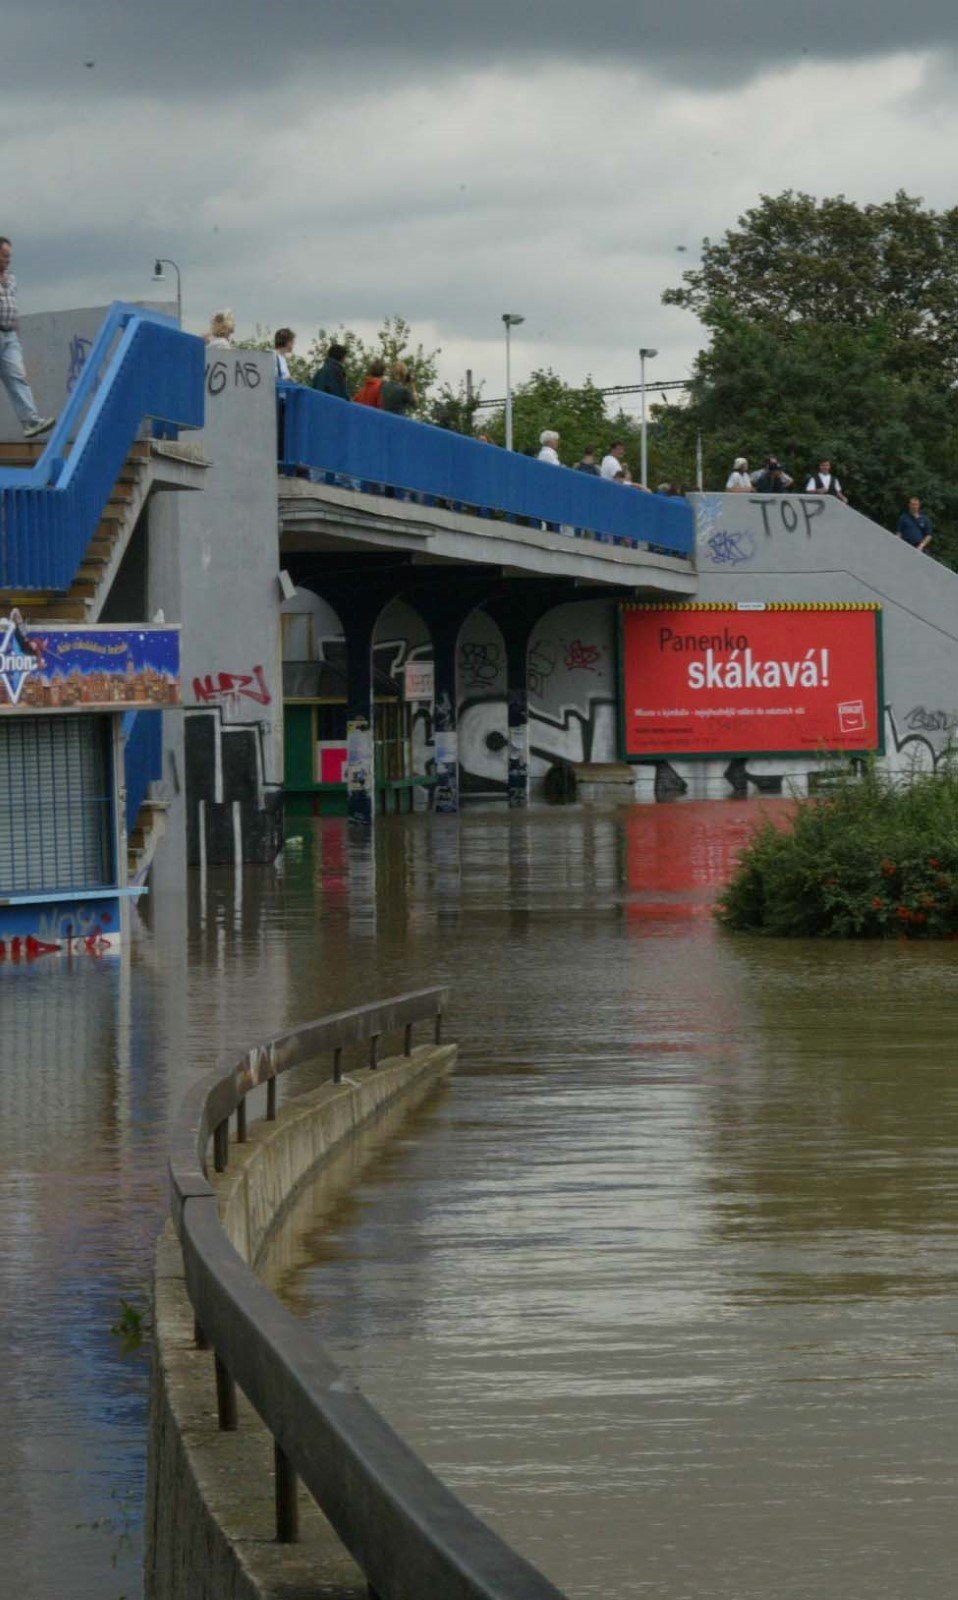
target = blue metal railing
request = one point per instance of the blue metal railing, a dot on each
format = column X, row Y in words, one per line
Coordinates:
column 335, row 439
column 142, row 758
column 141, row 365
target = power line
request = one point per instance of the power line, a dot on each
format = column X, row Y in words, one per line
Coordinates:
column 615, row 388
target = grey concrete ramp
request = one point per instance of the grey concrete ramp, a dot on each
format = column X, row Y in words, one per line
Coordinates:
column 811, row 548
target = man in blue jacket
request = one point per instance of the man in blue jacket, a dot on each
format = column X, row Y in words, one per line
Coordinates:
column 914, row 527
column 330, row 378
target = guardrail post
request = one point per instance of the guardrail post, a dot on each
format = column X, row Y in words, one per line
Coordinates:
column 287, row 1498
column 271, row 1100
column 225, row 1397
column 438, row 1028
column 241, row 1122
column 407, row 1040
column 374, row 1052
column 221, row 1145
column 338, row 1064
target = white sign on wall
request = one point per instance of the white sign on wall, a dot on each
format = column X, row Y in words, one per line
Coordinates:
column 420, row 680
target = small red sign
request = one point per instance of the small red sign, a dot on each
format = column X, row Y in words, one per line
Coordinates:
column 728, row 682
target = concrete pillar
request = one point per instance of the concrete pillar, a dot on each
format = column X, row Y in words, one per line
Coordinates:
column 360, row 749
column 445, row 718
column 517, row 698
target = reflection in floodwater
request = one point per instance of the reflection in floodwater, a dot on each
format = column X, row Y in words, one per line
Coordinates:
column 663, row 1282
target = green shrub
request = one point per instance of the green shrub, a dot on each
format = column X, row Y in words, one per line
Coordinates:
column 871, row 860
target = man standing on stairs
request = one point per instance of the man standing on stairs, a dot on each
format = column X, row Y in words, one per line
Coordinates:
column 12, row 370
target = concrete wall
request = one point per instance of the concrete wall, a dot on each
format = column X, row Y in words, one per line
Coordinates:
column 210, row 1528
column 55, row 347
column 213, row 566
column 811, row 548
column 571, row 666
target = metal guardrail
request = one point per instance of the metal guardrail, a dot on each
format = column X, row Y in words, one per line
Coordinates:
column 375, row 450
column 410, row 1535
column 141, row 365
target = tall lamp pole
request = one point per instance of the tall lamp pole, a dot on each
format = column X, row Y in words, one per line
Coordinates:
column 158, row 265
column 511, row 321
column 644, row 355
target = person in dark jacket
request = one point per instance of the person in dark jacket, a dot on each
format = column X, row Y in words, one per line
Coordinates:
column 399, row 390
column 914, row 526
column 588, row 462
column 773, row 479
column 330, row 378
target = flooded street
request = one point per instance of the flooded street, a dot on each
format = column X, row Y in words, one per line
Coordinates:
column 663, row 1283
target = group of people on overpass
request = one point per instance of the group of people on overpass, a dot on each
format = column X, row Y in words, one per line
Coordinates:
column 914, row 524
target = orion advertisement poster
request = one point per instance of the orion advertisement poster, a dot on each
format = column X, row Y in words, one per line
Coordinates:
column 62, row 668
column 753, row 679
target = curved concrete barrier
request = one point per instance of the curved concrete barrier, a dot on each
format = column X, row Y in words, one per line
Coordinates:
column 210, row 1494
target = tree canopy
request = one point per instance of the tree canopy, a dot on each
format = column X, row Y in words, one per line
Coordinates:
column 577, row 415
column 794, row 259
column 833, row 331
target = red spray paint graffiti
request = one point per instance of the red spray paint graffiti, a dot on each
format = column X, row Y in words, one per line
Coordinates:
column 232, row 687
column 581, row 657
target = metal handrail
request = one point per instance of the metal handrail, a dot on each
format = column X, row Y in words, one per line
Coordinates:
column 141, row 365
column 362, row 447
column 411, row 1535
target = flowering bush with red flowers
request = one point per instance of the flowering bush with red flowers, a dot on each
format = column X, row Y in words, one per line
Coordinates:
column 872, row 859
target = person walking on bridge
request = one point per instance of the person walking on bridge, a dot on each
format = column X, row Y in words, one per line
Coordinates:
column 12, row 370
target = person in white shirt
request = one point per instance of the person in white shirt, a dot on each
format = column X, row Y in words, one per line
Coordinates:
column 548, row 442
column 739, row 481
column 283, row 343
column 612, row 460
column 824, row 481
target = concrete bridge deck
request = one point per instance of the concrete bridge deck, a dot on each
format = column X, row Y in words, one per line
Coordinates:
column 316, row 517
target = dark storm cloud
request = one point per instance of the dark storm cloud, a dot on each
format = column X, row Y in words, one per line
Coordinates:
column 177, row 49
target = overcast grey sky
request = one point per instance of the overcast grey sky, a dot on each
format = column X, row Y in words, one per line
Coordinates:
column 318, row 161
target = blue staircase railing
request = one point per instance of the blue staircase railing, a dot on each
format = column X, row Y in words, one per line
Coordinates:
column 375, row 450
column 142, row 758
column 141, row 366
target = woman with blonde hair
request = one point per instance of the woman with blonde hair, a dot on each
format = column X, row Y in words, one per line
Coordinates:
column 399, row 390
column 222, row 329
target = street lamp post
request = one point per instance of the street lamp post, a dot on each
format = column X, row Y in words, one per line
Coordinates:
column 644, row 355
column 158, row 265
column 511, row 321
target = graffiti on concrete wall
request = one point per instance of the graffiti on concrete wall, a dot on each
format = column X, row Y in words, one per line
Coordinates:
column 234, row 373
column 577, row 733
column 722, row 544
column 480, row 663
column 79, row 350
column 28, row 933
column 230, row 689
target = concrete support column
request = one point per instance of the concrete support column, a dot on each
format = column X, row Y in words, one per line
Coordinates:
column 445, row 718
column 517, row 698
column 360, row 748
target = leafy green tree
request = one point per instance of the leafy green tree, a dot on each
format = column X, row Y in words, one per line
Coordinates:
column 795, row 259
column 577, row 415
column 393, row 342
column 833, row 331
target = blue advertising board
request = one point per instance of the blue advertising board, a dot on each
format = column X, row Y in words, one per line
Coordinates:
column 60, row 667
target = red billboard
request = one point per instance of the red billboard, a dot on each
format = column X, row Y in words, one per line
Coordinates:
column 704, row 680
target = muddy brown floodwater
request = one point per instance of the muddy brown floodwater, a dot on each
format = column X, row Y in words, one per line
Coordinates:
column 663, row 1283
